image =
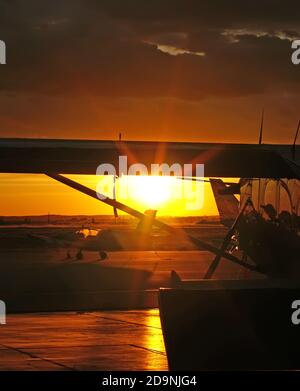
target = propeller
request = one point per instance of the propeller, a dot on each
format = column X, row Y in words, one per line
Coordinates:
column 114, row 196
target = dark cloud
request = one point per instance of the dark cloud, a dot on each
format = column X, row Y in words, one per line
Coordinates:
column 187, row 50
column 68, row 46
column 215, row 13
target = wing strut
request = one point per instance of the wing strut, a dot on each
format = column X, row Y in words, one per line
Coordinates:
column 225, row 243
column 139, row 215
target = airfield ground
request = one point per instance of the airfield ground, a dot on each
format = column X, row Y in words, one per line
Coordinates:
column 112, row 340
column 38, row 282
column 34, row 280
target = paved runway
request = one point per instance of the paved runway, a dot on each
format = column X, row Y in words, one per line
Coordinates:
column 112, row 340
column 45, row 280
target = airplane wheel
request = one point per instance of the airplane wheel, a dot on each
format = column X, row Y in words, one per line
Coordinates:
column 103, row 255
column 79, row 255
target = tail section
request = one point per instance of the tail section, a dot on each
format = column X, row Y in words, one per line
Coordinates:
column 227, row 203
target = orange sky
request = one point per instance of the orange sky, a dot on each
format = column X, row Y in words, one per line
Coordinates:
column 151, row 71
column 38, row 195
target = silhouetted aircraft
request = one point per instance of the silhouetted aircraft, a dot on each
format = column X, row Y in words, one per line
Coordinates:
column 140, row 238
column 264, row 224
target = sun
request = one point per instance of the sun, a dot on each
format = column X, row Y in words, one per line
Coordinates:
column 148, row 191
column 169, row 195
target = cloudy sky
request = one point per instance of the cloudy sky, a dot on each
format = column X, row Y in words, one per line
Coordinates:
column 154, row 70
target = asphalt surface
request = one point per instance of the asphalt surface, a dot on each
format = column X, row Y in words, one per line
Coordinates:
column 35, row 280
column 112, row 340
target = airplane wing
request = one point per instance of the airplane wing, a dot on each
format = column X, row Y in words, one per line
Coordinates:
column 84, row 156
column 56, row 157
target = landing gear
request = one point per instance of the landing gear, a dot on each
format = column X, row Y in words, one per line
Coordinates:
column 79, row 255
column 103, row 255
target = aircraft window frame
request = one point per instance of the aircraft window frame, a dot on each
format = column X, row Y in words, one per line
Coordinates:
column 274, row 203
column 284, row 186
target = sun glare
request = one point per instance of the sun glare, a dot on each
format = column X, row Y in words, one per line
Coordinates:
column 151, row 191
column 165, row 194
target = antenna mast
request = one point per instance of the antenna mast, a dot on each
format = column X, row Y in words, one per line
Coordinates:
column 261, row 127
column 294, row 143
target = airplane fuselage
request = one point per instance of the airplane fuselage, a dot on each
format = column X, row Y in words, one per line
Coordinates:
column 269, row 231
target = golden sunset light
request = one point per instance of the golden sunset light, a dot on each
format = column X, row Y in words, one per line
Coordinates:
column 149, row 191
column 168, row 195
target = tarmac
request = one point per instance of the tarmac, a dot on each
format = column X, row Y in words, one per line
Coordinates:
column 80, row 341
column 45, row 280
column 108, row 320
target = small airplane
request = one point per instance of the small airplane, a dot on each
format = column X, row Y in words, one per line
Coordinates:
column 140, row 238
column 243, row 325
column 263, row 223
column 112, row 239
